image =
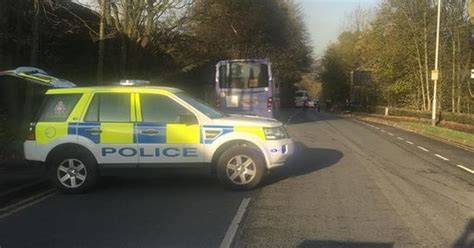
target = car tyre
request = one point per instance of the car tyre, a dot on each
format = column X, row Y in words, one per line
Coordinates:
column 74, row 171
column 241, row 168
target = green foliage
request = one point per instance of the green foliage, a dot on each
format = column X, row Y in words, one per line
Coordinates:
column 398, row 46
column 441, row 132
column 233, row 29
column 409, row 113
column 458, row 118
column 335, row 77
column 174, row 43
column 445, row 116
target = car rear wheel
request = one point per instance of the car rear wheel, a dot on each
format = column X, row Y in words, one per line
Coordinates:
column 241, row 168
column 74, row 172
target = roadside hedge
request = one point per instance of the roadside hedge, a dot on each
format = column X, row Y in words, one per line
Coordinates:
column 467, row 119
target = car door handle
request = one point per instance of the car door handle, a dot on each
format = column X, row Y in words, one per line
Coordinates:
column 150, row 132
column 94, row 131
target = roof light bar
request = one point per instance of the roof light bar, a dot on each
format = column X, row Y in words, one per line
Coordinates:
column 133, row 82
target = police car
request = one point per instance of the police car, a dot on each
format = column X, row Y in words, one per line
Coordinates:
column 81, row 130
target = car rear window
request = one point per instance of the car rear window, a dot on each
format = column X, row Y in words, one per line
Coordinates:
column 58, row 107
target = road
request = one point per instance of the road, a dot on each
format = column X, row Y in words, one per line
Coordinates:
column 350, row 184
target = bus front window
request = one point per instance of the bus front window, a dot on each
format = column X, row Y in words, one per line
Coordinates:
column 243, row 75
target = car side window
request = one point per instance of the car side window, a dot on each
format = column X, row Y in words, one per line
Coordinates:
column 161, row 109
column 109, row 107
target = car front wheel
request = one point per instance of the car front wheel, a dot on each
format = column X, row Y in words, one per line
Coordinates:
column 241, row 168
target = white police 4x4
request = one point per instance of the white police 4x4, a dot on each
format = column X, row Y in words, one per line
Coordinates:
column 81, row 130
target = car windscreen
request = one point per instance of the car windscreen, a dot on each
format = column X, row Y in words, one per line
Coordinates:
column 301, row 94
column 201, row 106
column 243, row 75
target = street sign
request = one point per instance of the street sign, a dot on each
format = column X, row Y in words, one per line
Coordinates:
column 434, row 75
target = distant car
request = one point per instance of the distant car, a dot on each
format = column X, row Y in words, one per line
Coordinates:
column 311, row 103
column 301, row 96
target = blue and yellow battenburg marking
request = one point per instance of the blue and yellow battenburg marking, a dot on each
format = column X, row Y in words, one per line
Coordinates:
column 210, row 133
column 151, row 133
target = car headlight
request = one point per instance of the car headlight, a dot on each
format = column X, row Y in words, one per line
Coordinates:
column 275, row 133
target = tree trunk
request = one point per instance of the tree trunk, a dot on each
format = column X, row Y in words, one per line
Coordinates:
column 34, row 61
column 3, row 28
column 427, row 71
column 35, row 34
column 453, row 83
column 124, row 39
column 100, row 61
column 459, row 74
column 420, row 70
column 123, row 55
column 14, row 108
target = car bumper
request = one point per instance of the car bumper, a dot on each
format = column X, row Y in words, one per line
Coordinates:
column 34, row 152
column 279, row 151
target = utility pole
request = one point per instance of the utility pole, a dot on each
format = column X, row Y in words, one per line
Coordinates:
column 435, row 73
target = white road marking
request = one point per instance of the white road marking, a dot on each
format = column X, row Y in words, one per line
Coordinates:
column 291, row 117
column 229, row 235
column 391, row 134
column 441, row 157
column 409, row 142
column 383, row 131
column 29, row 202
column 400, row 138
column 377, row 128
column 465, row 168
column 424, row 149
column 21, row 187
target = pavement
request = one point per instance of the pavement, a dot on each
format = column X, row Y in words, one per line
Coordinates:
column 350, row 184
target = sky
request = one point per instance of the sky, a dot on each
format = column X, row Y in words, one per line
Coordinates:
column 325, row 19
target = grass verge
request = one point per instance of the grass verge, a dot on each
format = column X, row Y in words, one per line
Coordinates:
column 443, row 133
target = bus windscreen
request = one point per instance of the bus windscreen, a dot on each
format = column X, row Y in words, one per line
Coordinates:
column 243, row 75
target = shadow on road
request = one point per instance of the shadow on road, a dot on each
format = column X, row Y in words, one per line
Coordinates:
column 466, row 240
column 153, row 179
column 310, row 115
column 304, row 161
column 340, row 244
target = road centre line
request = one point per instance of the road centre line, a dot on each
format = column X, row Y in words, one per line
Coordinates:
column 441, row 157
column 291, row 117
column 422, row 148
column 391, row 134
column 234, row 226
column 465, row 168
column 409, row 142
column 400, row 138
column 383, row 131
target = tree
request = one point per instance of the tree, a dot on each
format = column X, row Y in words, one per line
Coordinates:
column 235, row 29
column 397, row 46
